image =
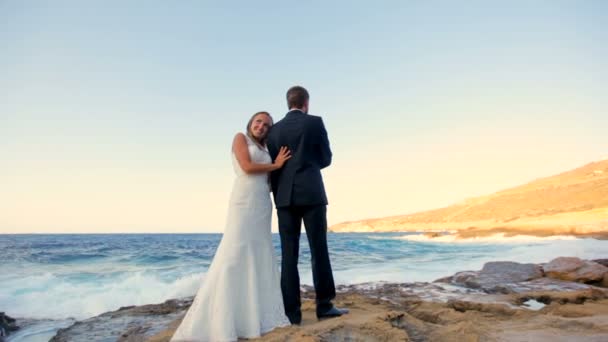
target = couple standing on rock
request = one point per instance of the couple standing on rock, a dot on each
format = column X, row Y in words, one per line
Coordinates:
column 240, row 296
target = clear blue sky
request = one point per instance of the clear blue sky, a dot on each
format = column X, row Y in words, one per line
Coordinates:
column 118, row 117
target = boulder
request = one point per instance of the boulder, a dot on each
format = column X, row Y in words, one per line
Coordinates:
column 601, row 261
column 575, row 269
column 496, row 277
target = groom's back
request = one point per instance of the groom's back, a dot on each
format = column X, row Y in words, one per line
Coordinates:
column 299, row 182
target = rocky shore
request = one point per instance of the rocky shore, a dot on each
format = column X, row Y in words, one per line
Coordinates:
column 563, row 300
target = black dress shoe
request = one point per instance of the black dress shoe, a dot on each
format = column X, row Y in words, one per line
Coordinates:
column 333, row 312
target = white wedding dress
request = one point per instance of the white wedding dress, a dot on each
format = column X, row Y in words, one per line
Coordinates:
column 240, row 296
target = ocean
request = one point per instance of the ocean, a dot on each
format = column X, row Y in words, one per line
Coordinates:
column 48, row 281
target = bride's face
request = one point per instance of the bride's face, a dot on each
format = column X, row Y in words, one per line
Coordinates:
column 260, row 126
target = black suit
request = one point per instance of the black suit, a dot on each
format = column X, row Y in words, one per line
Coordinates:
column 299, row 195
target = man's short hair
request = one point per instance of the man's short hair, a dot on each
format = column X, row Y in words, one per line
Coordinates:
column 297, row 97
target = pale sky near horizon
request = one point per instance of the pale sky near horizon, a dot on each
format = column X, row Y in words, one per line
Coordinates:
column 118, row 116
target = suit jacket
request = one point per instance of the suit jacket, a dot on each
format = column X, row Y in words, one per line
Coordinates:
column 299, row 181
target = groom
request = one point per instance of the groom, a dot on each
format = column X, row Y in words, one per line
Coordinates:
column 299, row 195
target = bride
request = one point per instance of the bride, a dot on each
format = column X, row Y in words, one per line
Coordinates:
column 240, row 296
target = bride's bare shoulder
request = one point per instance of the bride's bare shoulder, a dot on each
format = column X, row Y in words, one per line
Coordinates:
column 239, row 137
column 239, row 141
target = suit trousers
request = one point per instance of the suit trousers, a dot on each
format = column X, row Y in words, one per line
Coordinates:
column 315, row 223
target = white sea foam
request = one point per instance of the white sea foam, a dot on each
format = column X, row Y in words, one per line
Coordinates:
column 46, row 295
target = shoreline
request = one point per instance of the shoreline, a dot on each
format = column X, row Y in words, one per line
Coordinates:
column 502, row 301
column 471, row 230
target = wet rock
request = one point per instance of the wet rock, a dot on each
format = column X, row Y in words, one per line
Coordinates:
column 498, row 277
column 447, row 280
column 464, row 277
column 405, row 293
column 133, row 323
column 575, row 269
column 7, row 325
column 550, row 284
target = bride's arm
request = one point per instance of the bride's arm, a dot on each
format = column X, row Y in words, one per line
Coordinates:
column 241, row 151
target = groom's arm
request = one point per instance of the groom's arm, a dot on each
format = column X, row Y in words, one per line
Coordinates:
column 273, row 151
column 325, row 151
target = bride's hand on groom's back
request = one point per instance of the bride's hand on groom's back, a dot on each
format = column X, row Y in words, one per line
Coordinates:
column 283, row 156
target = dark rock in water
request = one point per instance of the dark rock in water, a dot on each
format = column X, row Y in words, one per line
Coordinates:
column 464, row 277
column 497, row 277
column 444, row 280
column 7, row 325
column 132, row 323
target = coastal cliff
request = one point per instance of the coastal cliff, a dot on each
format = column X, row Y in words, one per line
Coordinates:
column 571, row 203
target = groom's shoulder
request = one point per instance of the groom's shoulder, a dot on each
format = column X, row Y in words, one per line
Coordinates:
column 315, row 120
column 314, row 117
column 277, row 124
